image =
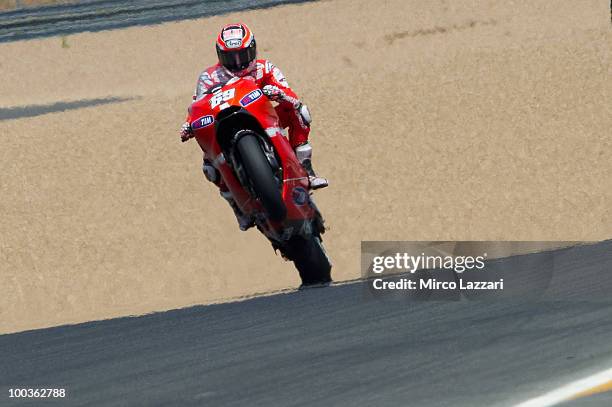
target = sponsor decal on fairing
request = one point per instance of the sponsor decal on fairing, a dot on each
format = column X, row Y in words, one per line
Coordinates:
column 202, row 122
column 300, row 196
column 251, row 97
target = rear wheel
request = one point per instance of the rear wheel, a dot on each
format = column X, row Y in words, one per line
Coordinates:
column 310, row 258
column 260, row 175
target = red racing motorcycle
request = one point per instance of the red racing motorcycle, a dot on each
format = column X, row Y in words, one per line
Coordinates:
column 236, row 125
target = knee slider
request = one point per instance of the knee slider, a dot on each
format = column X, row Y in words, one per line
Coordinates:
column 305, row 114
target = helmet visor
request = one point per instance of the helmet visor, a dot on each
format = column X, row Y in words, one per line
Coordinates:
column 237, row 60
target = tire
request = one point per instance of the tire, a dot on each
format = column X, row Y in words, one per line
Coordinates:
column 261, row 177
column 310, row 259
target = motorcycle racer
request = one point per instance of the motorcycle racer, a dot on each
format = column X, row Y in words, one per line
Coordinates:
column 237, row 51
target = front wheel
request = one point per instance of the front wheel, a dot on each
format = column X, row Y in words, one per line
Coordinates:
column 310, row 258
column 260, row 176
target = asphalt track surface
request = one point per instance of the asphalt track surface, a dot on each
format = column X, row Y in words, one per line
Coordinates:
column 98, row 15
column 334, row 346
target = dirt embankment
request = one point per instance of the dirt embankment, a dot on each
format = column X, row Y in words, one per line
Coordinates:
column 433, row 120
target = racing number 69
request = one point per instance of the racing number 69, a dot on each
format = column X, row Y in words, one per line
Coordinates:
column 222, row 97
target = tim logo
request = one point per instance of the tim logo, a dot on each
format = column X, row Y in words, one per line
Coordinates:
column 251, row 97
column 202, row 122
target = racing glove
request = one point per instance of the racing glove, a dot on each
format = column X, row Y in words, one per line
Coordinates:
column 186, row 132
column 274, row 93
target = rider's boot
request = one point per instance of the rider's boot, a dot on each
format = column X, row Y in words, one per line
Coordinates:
column 212, row 174
column 304, row 155
column 244, row 221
